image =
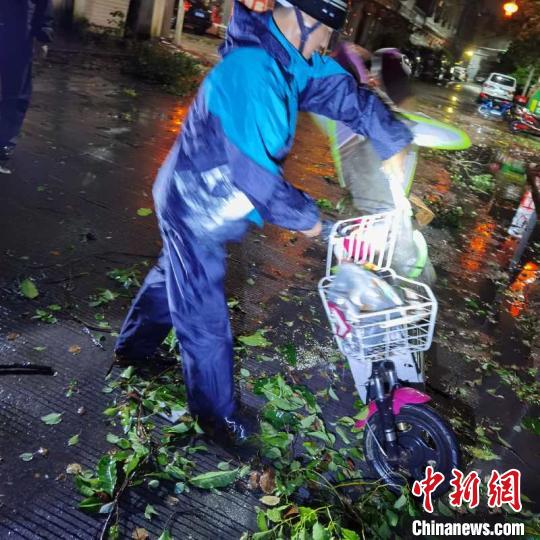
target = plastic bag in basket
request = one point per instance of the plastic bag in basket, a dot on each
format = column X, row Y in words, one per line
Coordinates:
column 354, row 292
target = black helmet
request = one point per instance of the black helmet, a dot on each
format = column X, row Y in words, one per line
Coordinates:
column 331, row 13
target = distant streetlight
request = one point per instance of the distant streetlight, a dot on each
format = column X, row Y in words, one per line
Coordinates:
column 510, row 8
column 469, row 53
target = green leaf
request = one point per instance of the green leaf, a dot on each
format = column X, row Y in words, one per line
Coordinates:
column 54, row 307
column 318, row 532
column 127, row 373
column 261, row 521
column 532, row 424
column 28, row 289
column 114, row 532
column 270, row 500
column 308, row 421
column 91, row 504
column 328, row 438
column 150, row 511
column 265, row 535
column 485, row 454
column 179, row 429
column 52, row 419
column 215, row 479
column 325, row 204
column 341, row 432
column 27, row 456
column 401, row 502
column 107, row 474
column 176, row 472
column 224, row 466
column 165, row 535
column 347, row 534
column 287, row 404
column 73, row 440
column 255, row 340
column 39, row 348
column 244, row 373
column 112, row 438
column 290, row 354
column 392, row 518
column 154, row 484
column 332, row 394
column 143, row 212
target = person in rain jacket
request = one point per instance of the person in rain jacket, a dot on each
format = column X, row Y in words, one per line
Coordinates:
column 224, row 174
column 20, row 22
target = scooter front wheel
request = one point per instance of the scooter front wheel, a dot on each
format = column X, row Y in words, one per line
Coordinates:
column 424, row 439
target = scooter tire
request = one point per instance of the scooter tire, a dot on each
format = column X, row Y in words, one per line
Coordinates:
column 415, row 421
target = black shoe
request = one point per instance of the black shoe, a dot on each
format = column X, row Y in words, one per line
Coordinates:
column 6, row 152
column 227, row 430
column 237, row 429
column 140, row 362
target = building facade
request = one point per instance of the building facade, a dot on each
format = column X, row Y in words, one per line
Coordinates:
column 429, row 24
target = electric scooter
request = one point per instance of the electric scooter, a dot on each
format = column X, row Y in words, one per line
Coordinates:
column 385, row 347
column 523, row 121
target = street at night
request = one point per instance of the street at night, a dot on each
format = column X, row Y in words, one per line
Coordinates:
column 79, row 233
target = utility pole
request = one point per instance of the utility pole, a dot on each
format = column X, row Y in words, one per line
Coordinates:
column 179, row 23
column 529, row 81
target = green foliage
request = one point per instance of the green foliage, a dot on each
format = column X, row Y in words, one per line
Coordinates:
column 127, row 277
column 103, row 297
column 255, row 340
column 445, row 215
column 175, row 71
column 302, row 451
column 482, row 183
column 325, row 204
column 28, row 289
column 46, row 315
column 52, row 419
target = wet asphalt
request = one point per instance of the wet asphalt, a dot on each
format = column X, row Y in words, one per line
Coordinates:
column 91, row 146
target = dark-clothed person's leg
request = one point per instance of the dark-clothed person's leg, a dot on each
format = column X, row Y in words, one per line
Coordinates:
column 15, row 91
column 185, row 290
column 199, row 312
column 148, row 321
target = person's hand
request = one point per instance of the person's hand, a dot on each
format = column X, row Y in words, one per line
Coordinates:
column 314, row 231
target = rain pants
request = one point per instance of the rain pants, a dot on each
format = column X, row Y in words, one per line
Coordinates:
column 224, row 174
column 20, row 22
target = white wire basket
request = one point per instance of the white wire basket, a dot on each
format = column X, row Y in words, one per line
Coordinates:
column 381, row 335
column 366, row 239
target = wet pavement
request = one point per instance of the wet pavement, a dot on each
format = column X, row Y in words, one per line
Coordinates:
column 91, row 146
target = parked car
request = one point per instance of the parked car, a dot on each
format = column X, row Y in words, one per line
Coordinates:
column 197, row 16
column 498, row 86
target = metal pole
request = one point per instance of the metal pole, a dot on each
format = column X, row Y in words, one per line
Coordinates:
column 179, row 23
column 529, row 81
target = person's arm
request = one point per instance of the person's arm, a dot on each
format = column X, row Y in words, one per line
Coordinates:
column 246, row 94
column 42, row 21
column 334, row 93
